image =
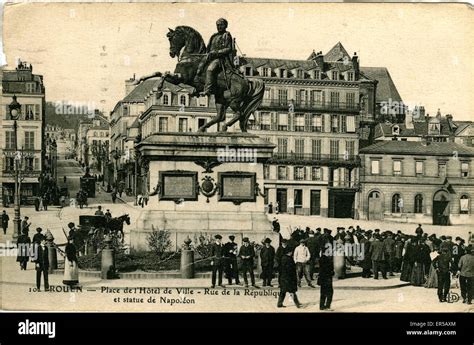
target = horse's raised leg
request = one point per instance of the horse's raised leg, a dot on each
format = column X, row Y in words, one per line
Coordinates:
column 233, row 120
column 220, row 109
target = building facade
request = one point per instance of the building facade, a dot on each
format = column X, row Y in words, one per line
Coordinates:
column 30, row 92
column 419, row 181
column 315, row 111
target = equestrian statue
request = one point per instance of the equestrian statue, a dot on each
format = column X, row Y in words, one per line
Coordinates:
column 212, row 70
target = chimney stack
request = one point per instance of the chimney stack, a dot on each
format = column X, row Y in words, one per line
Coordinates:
column 320, row 60
column 129, row 85
column 355, row 64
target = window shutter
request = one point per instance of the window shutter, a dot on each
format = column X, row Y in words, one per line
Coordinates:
column 259, row 118
column 327, row 121
column 290, row 121
column 350, row 123
column 307, row 118
column 274, row 121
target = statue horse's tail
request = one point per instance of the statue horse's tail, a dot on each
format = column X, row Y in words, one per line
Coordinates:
column 252, row 100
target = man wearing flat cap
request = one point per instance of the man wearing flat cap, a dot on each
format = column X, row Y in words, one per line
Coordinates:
column 246, row 254
column 230, row 253
column 267, row 256
column 217, row 257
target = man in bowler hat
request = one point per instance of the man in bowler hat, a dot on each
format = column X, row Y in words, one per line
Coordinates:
column 217, row 256
column 230, row 253
column 267, row 256
column 246, row 254
column 42, row 264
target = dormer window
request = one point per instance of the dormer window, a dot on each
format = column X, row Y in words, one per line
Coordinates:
column 335, row 75
column 434, row 128
column 265, row 72
column 248, row 71
column 281, row 73
column 350, row 76
column 183, row 100
column 395, row 130
column 299, row 74
column 166, row 99
column 317, row 74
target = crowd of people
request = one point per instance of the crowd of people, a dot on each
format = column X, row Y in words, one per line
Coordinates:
column 291, row 263
column 420, row 259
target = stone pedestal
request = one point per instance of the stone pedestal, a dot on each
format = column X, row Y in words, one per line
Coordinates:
column 204, row 184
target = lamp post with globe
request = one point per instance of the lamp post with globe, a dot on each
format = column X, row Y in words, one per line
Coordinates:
column 15, row 109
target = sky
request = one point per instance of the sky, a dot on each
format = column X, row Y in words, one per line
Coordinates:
column 86, row 51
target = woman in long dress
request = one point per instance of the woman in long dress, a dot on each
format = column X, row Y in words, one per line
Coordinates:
column 407, row 263
column 71, row 272
column 418, row 271
column 432, row 281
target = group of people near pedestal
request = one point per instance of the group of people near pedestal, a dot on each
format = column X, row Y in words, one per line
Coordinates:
column 292, row 262
column 37, row 250
column 420, row 259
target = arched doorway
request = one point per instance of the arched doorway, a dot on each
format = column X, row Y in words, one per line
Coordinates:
column 441, row 208
column 375, row 206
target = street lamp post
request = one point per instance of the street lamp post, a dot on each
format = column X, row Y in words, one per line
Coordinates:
column 15, row 108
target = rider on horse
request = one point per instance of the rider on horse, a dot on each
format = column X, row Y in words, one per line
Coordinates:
column 220, row 55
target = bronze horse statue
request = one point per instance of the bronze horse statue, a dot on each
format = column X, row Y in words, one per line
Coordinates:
column 242, row 95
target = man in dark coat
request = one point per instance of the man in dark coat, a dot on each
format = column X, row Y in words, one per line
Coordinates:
column 326, row 272
column 378, row 257
column 37, row 203
column 313, row 245
column 42, row 264
column 276, row 225
column 365, row 261
column 389, row 244
column 5, row 219
column 38, row 237
column 217, row 256
column 23, row 245
column 279, row 254
column 443, row 264
column 230, row 253
column 246, row 254
column 287, row 277
column 458, row 250
column 25, row 226
column 419, row 231
column 267, row 256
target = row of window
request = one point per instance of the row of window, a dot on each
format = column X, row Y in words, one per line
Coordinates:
column 316, row 146
column 397, row 168
column 303, row 122
column 183, row 123
column 300, row 173
column 398, row 203
column 29, row 143
column 27, row 112
column 27, row 164
column 298, row 73
column 307, row 96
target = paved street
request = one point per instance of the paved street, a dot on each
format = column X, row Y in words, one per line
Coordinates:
column 351, row 295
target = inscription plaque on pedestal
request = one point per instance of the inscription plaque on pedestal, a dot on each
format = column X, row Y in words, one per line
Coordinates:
column 237, row 186
column 178, row 185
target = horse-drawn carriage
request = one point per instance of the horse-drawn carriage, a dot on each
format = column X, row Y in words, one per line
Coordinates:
column 96, row 229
